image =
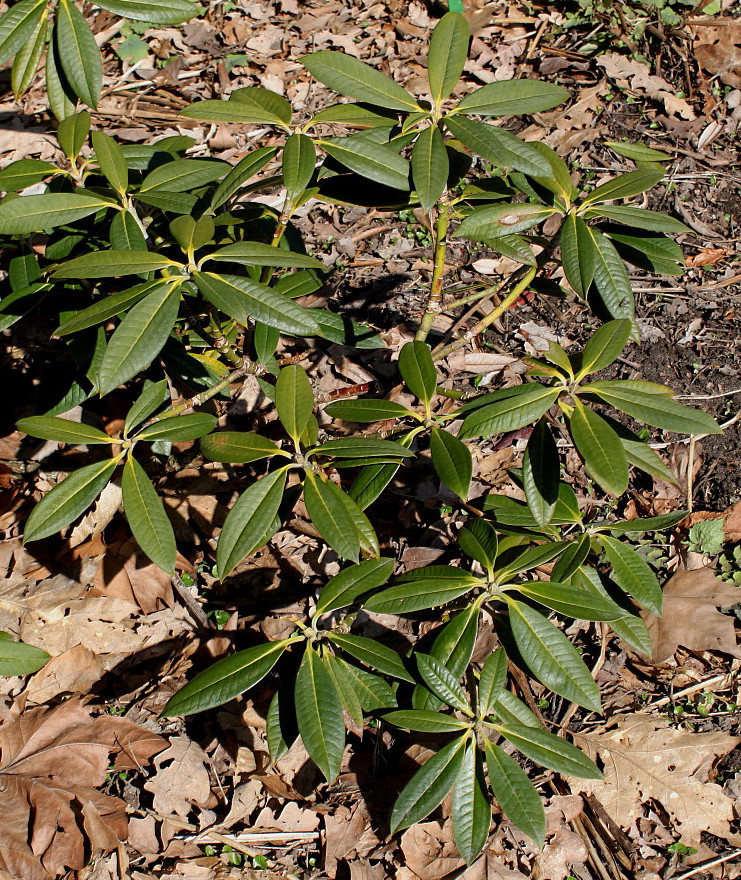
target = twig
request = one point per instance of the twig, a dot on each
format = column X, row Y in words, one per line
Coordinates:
column 692, row 689
column 707, row 396
column 198, row 614
column 731, row 421
column 438, row 272
column 700, row 869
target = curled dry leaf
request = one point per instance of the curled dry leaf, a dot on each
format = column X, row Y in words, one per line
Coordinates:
column 637, row 76
column 691, row 616
column 52, row 761
column 718, row 50
column 645, row 759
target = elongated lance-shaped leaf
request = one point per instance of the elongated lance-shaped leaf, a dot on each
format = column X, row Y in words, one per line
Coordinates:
column 182, row 175
column 578, row 254
column 249, row 524
column 319, row 715
column 27, row 60
column 604, row 347
column 352, row 77
column 243, row 171
column 471, row 810
column 111, row 161
column 62, row 99
column 425, row 721
column 377, row 162
column 418, row 595
column 106, row 308
column 226, row 679
column 139, row 338
column 339, row 671
column 426, row 790
column 125, row 233
column 68, row 499
column 367, row 410
column 430, row 167
column 478, row 539
column 625, row 185
column 418, row 370
column 61, row 430
column 569, row 600
column 448, row 53
column 17, row 26
column 357, row 447
column 25, row 172
column 498, row 146
column 517, row 796
column 551, row 656
column 639, row 218
column 550, row 751
column 238, row 447
column 492, row 681
column 153, row 396
column 254, row 253
column 328, row 511
column 600, row 449
column 372, row 653
column 17, row 658
column 443, row 684
column 37, row 213
column 513, row 98
column 452, row 460
column 294, row 400
column 249, row 106
column 570, row 560
column 509, row 414
column 192, row 234
column 355, row 580
column 372, row 691
column 177, row 428
column 541, row 471
column 153, row 11
column 72, row 134
column 611, row 279
column 147, row 518
column 632, row 573
column 494, row 221
column 79, row 53
column 109, row 264
column 299, row 159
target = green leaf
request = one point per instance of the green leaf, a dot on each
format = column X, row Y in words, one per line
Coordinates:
column 17, row 658
column 79, row 53
column 637, row 152
column 352, row 77
column 550, row 751
column 513, row 97
column 139, row 338
column 253, row 253
column 68, row 499
column 153, row 11
column 28, row 58
column 511, row 710
column 478, row 539
column 238, row 447
column 624, row 186
column 246, row 168
column 147, row 518
column 418, row 370
column 278, row 742
column 357, row 447
column 448, row 53
column 377, row 162
column 106, row 308
column 655, row 253
column 541, row 471
column 294, row 400
column 640, row 218
column 371, row 690
column 551, row 657
column 179, row 428
column 125, row 233
column 425, row 721
column 373, row 653
column 111, row 161
column 521, row 561
column 453, row 647
column 517, row 796
column 645, row 523
column 62, row 100
column 25, row 172
column 578, row 254
column 299, row 159
column 570, row 560
column 632, row 573
column 250, row 106
column 182, row 175
column 502, row 148
column 356, row 116
column 511, row 413
column 113, row 263
column 452, row 461
column 243, row 300
column 38, row 213
column 17, row 26
column 248, row 524
column 367, row 410
column 569, row 600
column 226, row 679
column 62, row 430
column 319, row 715
column 426, row 790
column 344, row 684
column 430, row 167
column 344, row 588
column 471, row 811
column 492, row 681
column 443, row 684
column 600, row 448
column 419, row 594
column 636, row 398
column 171, row 202
column 327, row 506
column 192, row 234
column 641, row 456
column 492, row 221
column 72, row 133
column 611, row 278
column 604, row 347
column 153, row 395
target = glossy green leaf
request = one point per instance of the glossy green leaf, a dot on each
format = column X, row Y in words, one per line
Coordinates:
column 605, row 346
column 111, row 161
column 244, row 170
column 238, row 447
column 344, row 685
column 153, row 11
column 147, row 518
column 25, row 172
column 27, row 60
column 372, row 691
column 249, row 524
column 68, row 499
column 182, row 175
column 418, row 370
column 478, row 539
column 569, row 600
column 425, row 721
column 611, row 278
column 496, row 145
column 253, row 253
column 37, row 213
column 570, row 560
column 517, row 796
column 640, row 218
column 641, row 456
column 107, row 307
column 511, row 413
column 655, row 253
column 249, row 106
column 79, row 53
column 344, row 588
column 358, row 447
column 62, row 99
column 352, row 77
column 226, row 679
column 492, row 221
column 637, row 152
column 72, row 134
column 471, row 811
column 125, row 233
column 513, row 98
column 452, row 460
column 550, row 751
column 600, row 448
column 328, row 509
column 377, row 162
column 319, row 715
column 492, row 681
column 645, row 523
column 552, row 658
column 153, row 395
column 633, row 574
column 356, row 116
column 631, row 627
column 179, row 428
column 192, row 234
column 294, row 400
column 17, row 26
column 373, row 653
column 541, row 471
column 624, row 186
column 448, row 53
column 443, row 684
column 419, row 594
column 109, row 264
column 511, row 710
column 521, row 561
column 366, row 410
column 243, row 300
column 299, row 159
column 17, row 658
column 139, row 338
column 429, row 785
column 62, row 430
column 430, row 167
column 578, row 254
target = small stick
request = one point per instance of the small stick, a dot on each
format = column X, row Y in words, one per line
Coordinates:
column 700, row 869
column 198, row 614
